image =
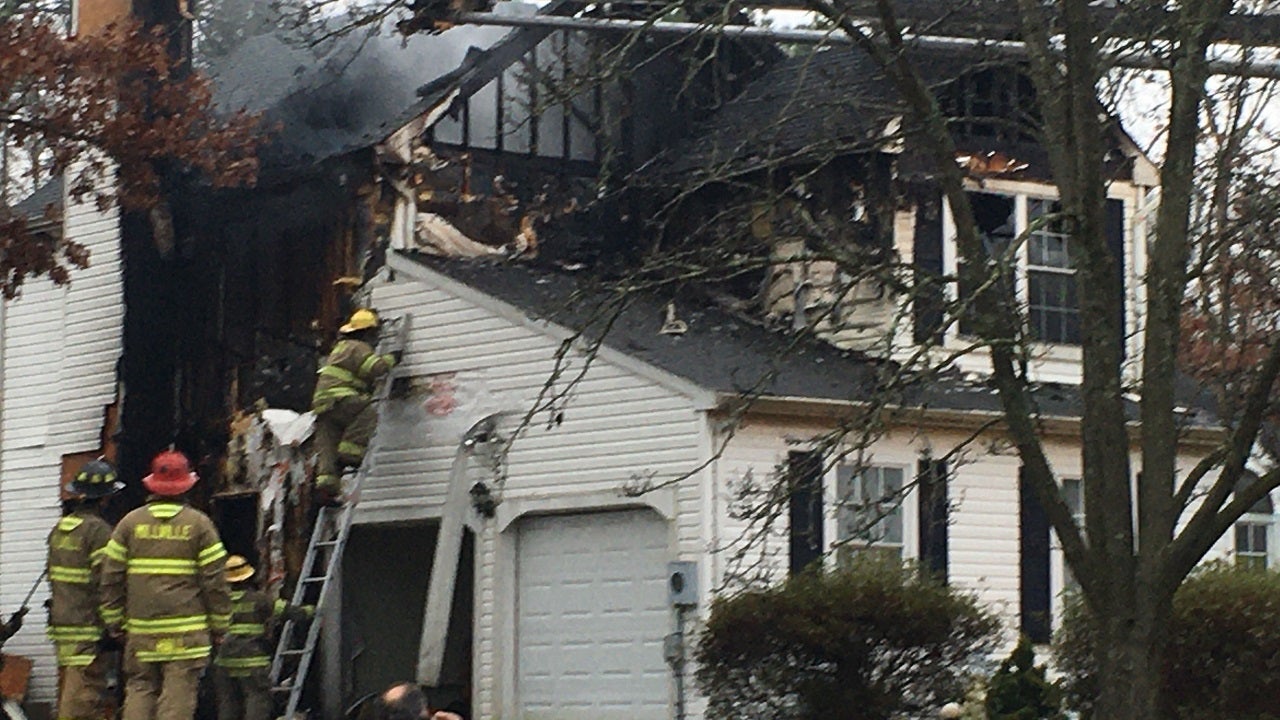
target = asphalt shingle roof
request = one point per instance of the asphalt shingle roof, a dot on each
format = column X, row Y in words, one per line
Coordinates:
column 727, row 353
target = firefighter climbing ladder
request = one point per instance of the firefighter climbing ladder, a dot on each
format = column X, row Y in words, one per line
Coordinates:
column 323, row 560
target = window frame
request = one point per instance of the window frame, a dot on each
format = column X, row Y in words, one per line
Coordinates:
column 1022, row 194
column 905, row 546
column 1258, row 516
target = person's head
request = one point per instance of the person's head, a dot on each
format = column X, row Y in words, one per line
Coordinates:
column 238, row 571
column 93, row 485
column 363, row 325
column 404, row 701
column 171, row 475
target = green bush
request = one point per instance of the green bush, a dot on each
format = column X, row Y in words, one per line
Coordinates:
column 1223, row 656
column 870, row 641
column 1019, row 689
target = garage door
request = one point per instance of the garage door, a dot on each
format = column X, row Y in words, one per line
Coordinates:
column 591, row 614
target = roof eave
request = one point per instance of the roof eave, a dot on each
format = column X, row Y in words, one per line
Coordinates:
column 1199, row 437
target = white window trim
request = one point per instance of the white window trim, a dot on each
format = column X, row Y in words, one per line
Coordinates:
column 910, row 507
column 1273, row 536
column 1056, row 362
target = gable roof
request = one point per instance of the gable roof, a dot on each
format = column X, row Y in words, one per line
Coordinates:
column 33, row 206
column 730, row 355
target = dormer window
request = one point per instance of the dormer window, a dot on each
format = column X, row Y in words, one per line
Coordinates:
column 1038, row 273
column 1053, row 307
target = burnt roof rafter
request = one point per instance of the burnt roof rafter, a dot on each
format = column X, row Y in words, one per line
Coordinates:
column 1128, row 57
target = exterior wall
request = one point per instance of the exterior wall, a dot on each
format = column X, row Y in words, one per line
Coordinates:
column 983, row 552
column 60, row 347
column 482, row 357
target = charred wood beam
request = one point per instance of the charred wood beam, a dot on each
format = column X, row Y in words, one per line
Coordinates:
column 1136, row 58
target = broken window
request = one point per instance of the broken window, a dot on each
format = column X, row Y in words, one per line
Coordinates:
column 1038, row 274
column 997, row 223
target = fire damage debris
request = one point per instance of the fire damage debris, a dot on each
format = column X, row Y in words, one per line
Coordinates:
column 269, row 460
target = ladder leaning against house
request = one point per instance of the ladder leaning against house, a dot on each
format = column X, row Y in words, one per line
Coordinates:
column 323, row 559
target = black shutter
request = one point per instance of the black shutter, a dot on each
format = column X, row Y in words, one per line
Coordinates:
column 931, row 489
column 1033, row 554
column 1114, row 226
column 929, row 303
column 804, row 474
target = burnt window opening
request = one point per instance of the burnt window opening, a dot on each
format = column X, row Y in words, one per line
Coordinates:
column 996, row 218
column 1037, row 279
column 995, row 104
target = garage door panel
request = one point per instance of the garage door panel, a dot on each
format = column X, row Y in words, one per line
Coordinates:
column 591, row 615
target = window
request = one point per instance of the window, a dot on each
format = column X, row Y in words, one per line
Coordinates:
column 1073, row 496
column 870, row 509
column 1053, row 309
column 1251, row 544
column 996, row 216
column 1037, row 275
column 1253, row 535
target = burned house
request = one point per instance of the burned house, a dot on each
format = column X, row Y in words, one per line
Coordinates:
column 499, row 194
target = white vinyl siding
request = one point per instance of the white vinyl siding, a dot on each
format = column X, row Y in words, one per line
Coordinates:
column 60, row 350
column 616, row 427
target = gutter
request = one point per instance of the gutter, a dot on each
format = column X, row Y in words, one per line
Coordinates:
column 1058, row 426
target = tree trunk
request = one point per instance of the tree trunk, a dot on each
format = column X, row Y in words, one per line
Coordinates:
column 1129, row 655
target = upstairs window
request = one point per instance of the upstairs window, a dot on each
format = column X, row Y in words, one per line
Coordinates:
column 1053, row 308
column 1038, row 274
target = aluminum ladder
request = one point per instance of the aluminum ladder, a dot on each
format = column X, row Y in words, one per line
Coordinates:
column 323, row 560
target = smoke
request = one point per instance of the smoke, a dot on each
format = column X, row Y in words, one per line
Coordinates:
column 347, row 93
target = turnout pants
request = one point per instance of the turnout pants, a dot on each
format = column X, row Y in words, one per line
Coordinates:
column 242, row 694
column 161, row 690
column 84, row 687
column 342, row 435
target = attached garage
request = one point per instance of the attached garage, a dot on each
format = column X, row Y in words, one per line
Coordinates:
column 591, row 614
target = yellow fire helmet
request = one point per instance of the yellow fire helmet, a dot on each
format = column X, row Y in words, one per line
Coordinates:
column 238, row 569
column 362, row 319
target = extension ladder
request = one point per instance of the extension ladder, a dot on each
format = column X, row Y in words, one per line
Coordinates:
column 323, row 560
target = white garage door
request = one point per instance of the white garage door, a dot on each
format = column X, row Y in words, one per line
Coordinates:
column 591, row 614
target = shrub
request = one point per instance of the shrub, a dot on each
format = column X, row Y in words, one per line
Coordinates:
column 869, row 641
column 1223, row 656
column 1019, row 689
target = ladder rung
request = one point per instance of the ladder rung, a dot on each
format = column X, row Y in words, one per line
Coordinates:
column 315, row 579
column 327, row 543
column 299, row 651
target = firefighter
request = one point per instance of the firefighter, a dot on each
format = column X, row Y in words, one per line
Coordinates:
column 76, row 545
column 240, row 670
column 343, row 402
column 164, row 589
